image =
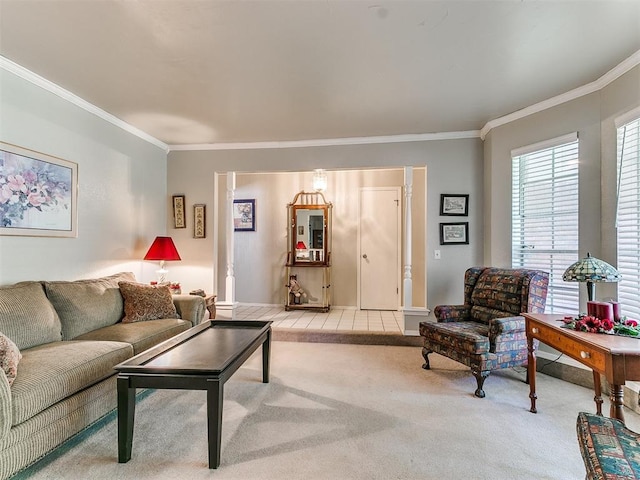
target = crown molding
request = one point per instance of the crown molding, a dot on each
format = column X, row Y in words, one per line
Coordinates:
column 51, row 87
column 600, row 83
column 613, row 74
column 328, row 142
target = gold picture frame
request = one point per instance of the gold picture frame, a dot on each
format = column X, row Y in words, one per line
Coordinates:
column 199, row 222
column 179, row 220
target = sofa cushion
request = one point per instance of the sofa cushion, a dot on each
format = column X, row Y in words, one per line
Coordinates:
column 9, row 357
column 52, row 372
column 27, row 317
column 84, row 305
column 142, row 335
column 146, row 302
column 498, row 289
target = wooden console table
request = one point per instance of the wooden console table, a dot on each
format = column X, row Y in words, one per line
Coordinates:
column 615, row 357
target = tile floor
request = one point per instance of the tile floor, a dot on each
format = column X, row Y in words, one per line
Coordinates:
column 335, row 319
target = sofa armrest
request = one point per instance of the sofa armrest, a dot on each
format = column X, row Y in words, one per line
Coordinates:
column 190, row 307
column 452, row 313
column 5, row 405
column 505, row 325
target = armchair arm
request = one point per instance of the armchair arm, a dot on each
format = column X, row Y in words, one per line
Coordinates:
column 5, row 405
column 500, row 326
column 190, row 307
column 452, row 313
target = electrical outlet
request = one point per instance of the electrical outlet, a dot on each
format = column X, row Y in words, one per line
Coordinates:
column 436, row 254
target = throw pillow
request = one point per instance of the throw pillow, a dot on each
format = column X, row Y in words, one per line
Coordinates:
column 9, row 357
column 146, row 302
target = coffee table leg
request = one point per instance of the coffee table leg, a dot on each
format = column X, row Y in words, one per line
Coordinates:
column 215, row 394
column 126, row 415
column 266, row 353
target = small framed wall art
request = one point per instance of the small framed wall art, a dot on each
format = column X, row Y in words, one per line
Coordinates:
column 179, row 220
column 244, row 215
column 199, row 225
column 454, row 205
column 454, row 233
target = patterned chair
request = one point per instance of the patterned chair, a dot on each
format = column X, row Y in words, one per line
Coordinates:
column 608, row 448
column 487, row 332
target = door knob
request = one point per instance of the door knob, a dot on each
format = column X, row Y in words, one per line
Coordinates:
column 364, row 256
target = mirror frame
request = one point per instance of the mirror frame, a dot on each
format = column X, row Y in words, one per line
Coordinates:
column 313, row 202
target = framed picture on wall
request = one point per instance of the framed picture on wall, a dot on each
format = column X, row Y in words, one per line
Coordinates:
column 179, row 220
column 39, row 194
column 199, row 230
column 454, row 233
column 244, row 215
column 454, row 204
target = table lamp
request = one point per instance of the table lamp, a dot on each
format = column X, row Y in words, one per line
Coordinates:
column 591, row 270
column 162, row 249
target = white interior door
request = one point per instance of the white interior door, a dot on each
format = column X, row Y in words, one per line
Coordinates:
column 379, row 271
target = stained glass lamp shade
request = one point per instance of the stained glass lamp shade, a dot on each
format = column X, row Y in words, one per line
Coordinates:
column 591, row 270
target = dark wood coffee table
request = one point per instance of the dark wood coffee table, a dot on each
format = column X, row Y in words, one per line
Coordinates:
column 202, row 358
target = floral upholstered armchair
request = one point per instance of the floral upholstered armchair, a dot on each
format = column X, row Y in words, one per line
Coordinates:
column 487, row 332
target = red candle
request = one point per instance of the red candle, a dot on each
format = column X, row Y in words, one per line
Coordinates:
column 591, row 308
column 616, row 310
column 604, row 310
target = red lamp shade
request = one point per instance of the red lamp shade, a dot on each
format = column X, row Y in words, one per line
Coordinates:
column 301, row 246
column 162, row 248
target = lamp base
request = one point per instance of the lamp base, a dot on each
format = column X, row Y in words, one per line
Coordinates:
column 591, row 291
column 162, row 274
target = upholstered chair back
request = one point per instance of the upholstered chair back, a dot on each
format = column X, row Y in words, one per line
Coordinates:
column 496, row 292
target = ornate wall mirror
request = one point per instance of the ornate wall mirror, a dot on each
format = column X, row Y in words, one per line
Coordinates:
column 309, row 230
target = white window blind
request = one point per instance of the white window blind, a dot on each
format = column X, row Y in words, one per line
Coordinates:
column 628, row 218
column 545, row 216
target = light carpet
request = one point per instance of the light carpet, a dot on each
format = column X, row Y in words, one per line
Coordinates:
column 338, row 411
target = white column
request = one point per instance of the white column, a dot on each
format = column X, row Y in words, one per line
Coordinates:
column 225, row 310
column 407, row 282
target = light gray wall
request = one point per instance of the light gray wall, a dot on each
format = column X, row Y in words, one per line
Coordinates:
column 592, row 116
column 122, row 200
column 453, row 166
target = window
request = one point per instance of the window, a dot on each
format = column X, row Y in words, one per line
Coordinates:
column 545, row 215
column 628, row 218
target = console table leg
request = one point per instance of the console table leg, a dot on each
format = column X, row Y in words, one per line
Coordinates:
column 126, row 415
column 617, row 402
column 531, row 373
column 266, row 353
column 215, row 394
column 597, row 387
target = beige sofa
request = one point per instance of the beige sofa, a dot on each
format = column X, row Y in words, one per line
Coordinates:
column 70, row 336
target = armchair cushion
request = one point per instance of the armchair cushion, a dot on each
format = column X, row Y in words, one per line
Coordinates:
column 468, row 337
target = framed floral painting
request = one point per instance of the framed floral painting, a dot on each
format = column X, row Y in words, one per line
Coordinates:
column 38, row 194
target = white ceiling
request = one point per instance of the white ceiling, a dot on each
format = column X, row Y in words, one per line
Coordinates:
column 205, row 71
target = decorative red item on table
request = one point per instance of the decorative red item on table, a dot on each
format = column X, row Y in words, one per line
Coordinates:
column 600, row 310
column 616, row 310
